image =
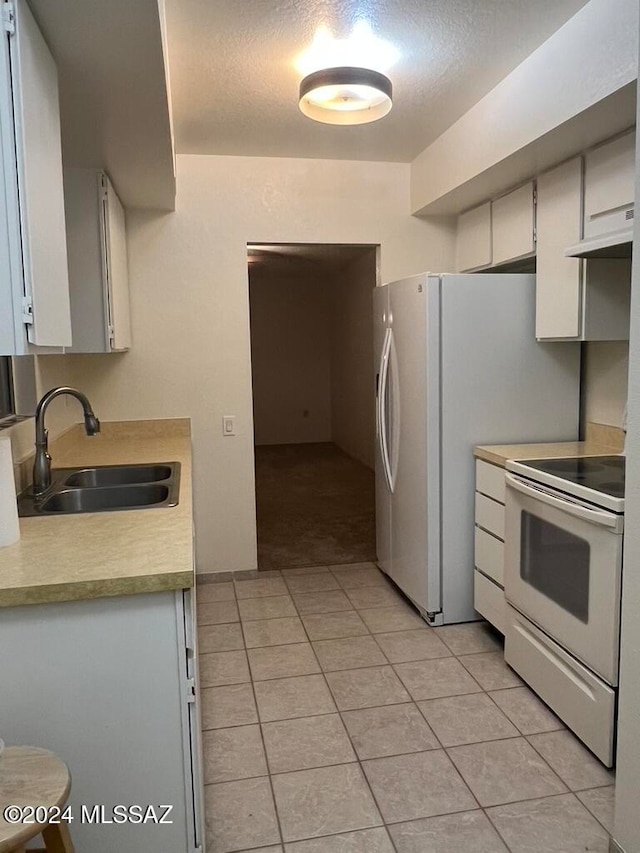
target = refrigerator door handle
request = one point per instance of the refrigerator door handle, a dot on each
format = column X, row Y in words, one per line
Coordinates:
column 382, row 414
column 378, row 394
column 394, row 382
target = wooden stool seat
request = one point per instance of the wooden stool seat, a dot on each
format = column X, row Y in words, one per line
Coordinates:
column 32, row 777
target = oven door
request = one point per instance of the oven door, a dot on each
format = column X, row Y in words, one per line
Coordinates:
column 563, row 562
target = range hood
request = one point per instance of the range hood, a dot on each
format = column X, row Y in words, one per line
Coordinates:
column 615, row 244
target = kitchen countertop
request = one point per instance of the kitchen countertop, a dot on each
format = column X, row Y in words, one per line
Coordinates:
column 601, row 440
column 73, row 557
column 500, row 454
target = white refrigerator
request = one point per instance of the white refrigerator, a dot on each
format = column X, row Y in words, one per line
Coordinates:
column 456, row 364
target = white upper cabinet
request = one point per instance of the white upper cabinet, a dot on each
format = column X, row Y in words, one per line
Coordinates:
column 116, row 266
column 498, row 232
column 513, row 226
column 473, row 239
column 576, row 299
column 609, row 189
column 34, row 292
column 559, row 279
column 98, row 273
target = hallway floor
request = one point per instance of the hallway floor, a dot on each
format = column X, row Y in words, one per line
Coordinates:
column 336, row 721
column 315, row 506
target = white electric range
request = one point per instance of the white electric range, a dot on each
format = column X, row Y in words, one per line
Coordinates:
column 563, row 571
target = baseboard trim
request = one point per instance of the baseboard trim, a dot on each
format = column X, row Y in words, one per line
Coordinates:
column 614, row 847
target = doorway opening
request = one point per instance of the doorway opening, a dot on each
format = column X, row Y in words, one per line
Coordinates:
column 311, row 309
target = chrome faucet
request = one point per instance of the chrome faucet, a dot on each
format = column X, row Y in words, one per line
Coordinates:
column 42, row 463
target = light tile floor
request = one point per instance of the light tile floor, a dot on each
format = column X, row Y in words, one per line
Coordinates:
column 336, row 721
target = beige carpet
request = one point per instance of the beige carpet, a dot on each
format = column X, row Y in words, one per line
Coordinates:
column 315, row 507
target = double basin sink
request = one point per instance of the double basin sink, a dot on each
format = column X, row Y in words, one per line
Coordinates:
column 105, row 488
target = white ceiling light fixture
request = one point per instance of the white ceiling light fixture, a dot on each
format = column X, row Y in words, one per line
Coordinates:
column 344, row 79
column 346, row 95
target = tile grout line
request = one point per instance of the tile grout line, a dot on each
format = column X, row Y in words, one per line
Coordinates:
column 279, row 720
column 422, row 716
column 485, row 809
column 411, row 701
column 264, row 746
column 486, row 693
column 355, row 752
column 497, row 831
column 518, row 687
column 350, row 609
column 544, row 760
column 522, row 735
column 595, row 817
column 328, row 688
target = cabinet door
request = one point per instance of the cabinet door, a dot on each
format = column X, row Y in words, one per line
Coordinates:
column 559, row 279
column 39, row 162
column 194, row 771
column 513, row 225
column 116, row 267
column 473, row 239
column 609, row 186
column 85, row 251
column 607, row 299
column 11, row 286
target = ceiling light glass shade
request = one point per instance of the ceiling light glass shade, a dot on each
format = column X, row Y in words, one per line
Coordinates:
column 345, row 95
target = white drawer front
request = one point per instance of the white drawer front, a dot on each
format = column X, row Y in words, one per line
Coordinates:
column 489, row 556
column 489, row 600
column 490, row 515
column 490, row 480
column 579, row 698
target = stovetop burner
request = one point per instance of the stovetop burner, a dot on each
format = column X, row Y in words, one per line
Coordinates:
column 603, row 473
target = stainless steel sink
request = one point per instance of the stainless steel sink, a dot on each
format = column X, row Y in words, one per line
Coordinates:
column 119, row 475
column 105, row 488
column 101, row 499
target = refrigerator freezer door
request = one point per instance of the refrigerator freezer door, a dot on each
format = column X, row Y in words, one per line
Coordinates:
column 383, row 495
column 414, row 439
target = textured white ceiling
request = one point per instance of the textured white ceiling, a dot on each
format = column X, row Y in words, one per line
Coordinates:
column 235, row 89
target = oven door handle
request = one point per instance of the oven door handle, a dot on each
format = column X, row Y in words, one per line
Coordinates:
column 604, row 519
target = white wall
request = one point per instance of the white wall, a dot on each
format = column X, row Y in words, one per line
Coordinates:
column 605, row 381
column 290, row 356
column 352, row 374
column 63, row 412
column 627, row 820
column 529, row 121
column 190, row 313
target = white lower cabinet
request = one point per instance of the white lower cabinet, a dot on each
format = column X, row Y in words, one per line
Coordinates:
column 490, row 515
column 489, row 598
column 489, row 555
column 110, row 685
